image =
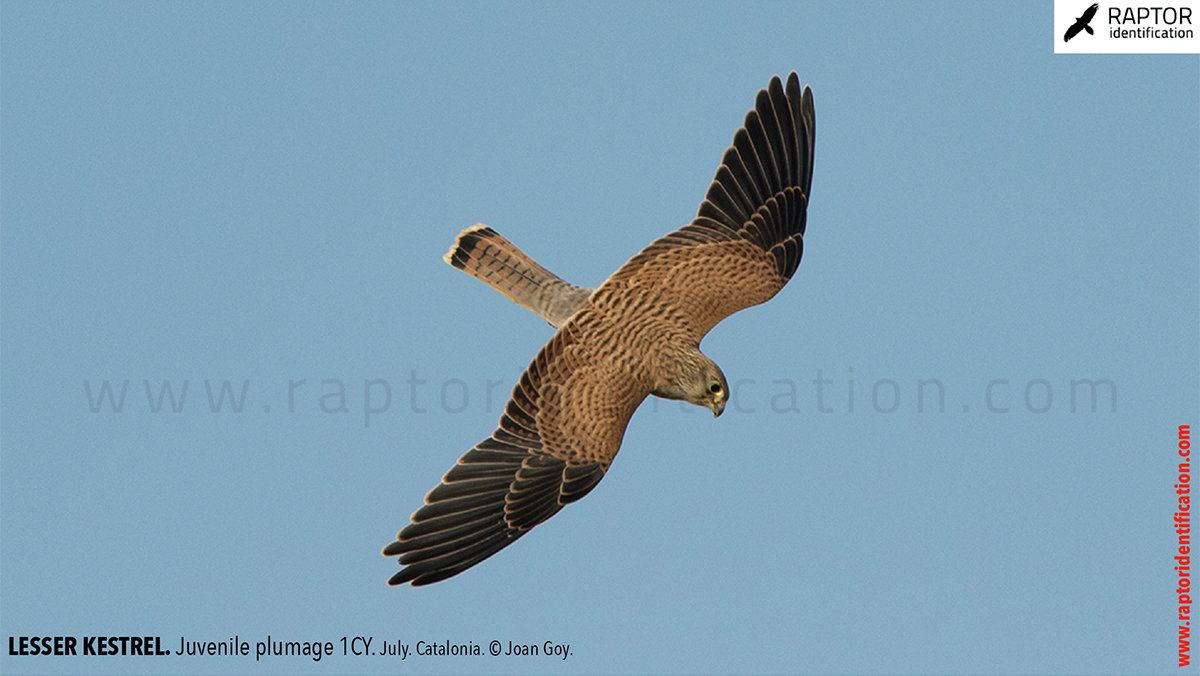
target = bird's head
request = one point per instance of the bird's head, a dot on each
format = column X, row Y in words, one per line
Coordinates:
column 696, row 379
column 707, row 387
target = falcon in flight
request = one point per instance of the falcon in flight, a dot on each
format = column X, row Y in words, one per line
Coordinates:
column 637, row 334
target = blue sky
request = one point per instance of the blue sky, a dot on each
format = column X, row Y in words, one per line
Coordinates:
column 261, row 194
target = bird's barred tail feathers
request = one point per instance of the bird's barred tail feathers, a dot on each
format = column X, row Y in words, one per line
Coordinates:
column 486, row 255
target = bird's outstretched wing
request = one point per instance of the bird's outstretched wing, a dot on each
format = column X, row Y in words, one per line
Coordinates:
column 748, row 235
column 560, row 431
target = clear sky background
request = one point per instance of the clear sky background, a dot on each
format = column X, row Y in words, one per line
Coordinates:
column 261, row 194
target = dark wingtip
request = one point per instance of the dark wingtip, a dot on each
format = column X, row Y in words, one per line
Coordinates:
column 403, row 577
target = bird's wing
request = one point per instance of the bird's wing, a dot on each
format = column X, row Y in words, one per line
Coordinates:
column 560, row 431
column 748, row 235
column 1089, row 13
column 1073, row 31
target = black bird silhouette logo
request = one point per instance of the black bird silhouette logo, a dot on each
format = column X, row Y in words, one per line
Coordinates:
column 1081, row 24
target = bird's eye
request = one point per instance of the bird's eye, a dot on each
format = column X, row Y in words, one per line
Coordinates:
column 715, row 388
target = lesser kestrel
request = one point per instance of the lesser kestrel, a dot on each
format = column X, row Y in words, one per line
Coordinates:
column 635, row 335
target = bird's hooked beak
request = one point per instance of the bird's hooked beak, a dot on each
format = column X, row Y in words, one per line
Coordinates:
column 718, row 407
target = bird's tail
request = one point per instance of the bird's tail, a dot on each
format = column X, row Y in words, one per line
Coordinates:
column 490, row 258
column 1089, row 30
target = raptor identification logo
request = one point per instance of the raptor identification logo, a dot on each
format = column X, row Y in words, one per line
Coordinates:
column 1082, row 27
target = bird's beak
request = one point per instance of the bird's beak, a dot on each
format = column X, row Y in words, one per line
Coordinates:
column 718, row 407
